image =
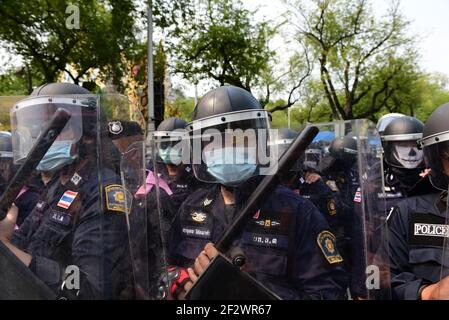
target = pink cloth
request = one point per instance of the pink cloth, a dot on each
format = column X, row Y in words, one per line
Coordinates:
column 24, row 189
column 150, row 183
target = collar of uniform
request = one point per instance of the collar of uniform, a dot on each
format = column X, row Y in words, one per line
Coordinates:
column 211, row 196
column 81, row 174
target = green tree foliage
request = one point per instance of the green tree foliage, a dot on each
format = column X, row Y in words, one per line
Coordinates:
column 222, row 42
column 364, row 62
column 428, row 92
column 182, row 107
column 37, row 30
column 16, row 81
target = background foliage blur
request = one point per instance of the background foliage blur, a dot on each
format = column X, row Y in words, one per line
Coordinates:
column 341, row 61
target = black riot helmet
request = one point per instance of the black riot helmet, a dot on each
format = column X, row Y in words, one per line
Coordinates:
column 6, row 145
column 399, row 141
column 344, row 148
column 171, row 140
column 31, row 115
column 341, row 155
column 435, row 145
column 228, row 128
column 6, row 158
column 385, row 121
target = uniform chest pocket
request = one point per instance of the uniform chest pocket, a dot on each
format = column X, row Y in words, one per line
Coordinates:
column 426, row 262
column 266, row 253
column 51, row 234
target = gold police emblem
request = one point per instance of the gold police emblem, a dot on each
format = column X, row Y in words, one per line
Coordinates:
column 326, row 241
column 198, row 216
column 116, row 199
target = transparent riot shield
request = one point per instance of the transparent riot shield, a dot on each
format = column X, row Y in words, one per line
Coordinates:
column 17, row 280
column 139, row 178
column 282, row 250
column 84, row 230
column 350, row 164
column 435, row 231
column 7, row 167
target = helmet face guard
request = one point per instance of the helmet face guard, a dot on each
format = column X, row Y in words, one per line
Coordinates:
column 230, row 148
column 436, row 148
column 313, row 159
column 280, row 146
column 29, row 118
column 172, row 146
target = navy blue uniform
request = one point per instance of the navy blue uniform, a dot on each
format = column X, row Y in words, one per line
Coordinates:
column 417, row 230
column 182, row 185
column 345, row 186
column 287, row 244
column 322, row 198
column 70, row 225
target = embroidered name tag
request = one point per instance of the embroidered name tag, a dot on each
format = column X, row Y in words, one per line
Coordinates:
column 196, row 232
column 60, row 218
column 266, row 240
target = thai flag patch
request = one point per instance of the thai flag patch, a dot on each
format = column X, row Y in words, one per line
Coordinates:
column 358, row 196
column 67, row 199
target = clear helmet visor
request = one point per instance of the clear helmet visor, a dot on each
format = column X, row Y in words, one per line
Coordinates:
column 313, row 159
column 31, row 116
column 172, row 147
column 437, row 159
column 231, row 153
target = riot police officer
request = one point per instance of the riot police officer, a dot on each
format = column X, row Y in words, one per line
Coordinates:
column 304, row 179
column 288, row 244
column 28, row 198
column 418, row 226
column 171, row 143
column 403, row 161
column 79, row 221
column 6, row 159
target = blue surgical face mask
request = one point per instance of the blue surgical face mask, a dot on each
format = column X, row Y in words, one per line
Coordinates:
column 171, row 155
column 231, row 166
column 56, row 157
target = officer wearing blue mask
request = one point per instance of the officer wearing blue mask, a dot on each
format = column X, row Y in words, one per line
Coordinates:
column 288, row 245
column 78, row 223
column 171, row 142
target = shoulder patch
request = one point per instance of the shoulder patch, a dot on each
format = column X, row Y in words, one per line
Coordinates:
column 116, row 198
column 327, row 243
column 332, row 207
